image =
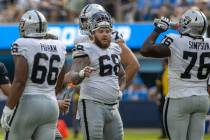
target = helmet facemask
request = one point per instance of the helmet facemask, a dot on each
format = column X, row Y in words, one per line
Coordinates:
column 100, row 20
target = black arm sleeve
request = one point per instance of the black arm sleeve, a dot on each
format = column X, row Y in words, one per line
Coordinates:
column 4, row 79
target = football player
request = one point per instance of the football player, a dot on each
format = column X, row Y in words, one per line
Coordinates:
column 128, row 59
column 31, row 111
column 97, row 66
column 5, row 85
column 208, row 86
column 188, row 53
column 65, row 103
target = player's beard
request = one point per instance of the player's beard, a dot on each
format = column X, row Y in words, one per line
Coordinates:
column 102, row 44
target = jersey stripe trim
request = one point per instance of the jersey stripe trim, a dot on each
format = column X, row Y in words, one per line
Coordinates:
column 165, row 118
column 10, row 122
column 85, row 119
column 80, row 56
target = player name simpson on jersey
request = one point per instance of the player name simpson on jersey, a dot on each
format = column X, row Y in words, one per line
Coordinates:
column 199, row 45
column 48, row 48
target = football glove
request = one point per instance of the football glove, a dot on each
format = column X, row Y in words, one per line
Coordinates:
column 6, row 117
column 161, row 25
column 116, row 37
column 51, row 36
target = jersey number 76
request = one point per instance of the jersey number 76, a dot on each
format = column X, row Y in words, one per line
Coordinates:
column 203, row 69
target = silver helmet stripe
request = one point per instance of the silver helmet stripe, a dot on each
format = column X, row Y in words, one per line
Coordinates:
column 40, row 21
column 204, row 23
column 85, row 10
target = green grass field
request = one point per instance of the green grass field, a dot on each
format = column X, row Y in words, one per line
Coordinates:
column 130, row 134
column 140, row 134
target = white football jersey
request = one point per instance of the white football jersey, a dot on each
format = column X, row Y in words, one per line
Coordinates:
column 102, row 85
column 45, row 58
column 188, row 67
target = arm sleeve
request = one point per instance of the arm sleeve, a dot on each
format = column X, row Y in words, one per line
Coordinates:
column 4, row 79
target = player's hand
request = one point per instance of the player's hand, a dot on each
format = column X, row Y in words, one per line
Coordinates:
column 51, row 36
column 6, row 117
column 161, row 25
column 117, row 37
column 86, row 72
column 64, row 106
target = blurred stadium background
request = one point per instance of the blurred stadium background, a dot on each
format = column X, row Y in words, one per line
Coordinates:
column 132, row 18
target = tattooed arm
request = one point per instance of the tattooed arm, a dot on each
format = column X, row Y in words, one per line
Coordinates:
column 79, row 70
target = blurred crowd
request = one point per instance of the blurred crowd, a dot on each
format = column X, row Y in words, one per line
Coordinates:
column 121, row 10
column 141, row 91
column 138, row 91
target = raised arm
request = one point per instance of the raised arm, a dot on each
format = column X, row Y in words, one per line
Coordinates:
column 150, row 49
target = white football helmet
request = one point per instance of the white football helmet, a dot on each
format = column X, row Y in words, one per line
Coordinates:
column 87, row 13
column 98, row 20
column 33, row 24
column 193, row 23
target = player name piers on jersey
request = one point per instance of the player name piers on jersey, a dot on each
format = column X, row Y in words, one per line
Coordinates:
column 48, row 48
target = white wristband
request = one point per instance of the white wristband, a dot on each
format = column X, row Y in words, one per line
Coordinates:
column 7, row 110
column 82, row 74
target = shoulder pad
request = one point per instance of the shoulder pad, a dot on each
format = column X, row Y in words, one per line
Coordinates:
column 116, row 48
column 79, row 51
column 168, row 40
column 14, row 48
column 18, row 47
